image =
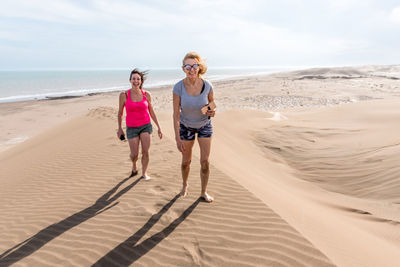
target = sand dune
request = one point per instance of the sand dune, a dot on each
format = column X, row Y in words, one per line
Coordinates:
column 353, row 154
column 305, row 172
column 308, row 169
column 72, row 204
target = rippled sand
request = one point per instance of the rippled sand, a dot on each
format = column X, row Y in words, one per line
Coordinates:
column 304, row 171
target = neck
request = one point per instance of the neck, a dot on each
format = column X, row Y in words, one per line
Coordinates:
column 192, row 80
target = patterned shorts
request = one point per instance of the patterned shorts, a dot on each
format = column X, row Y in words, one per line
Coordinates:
column 189, row 134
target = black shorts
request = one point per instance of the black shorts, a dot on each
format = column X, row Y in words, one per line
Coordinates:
column 189, row 134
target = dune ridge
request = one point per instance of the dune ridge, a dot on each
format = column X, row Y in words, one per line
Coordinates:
column 282, row 163
column 77, row 207
column 304, row 170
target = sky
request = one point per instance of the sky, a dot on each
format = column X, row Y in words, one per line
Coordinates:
column 118, row 34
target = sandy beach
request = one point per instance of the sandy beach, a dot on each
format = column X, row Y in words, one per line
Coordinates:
column 304, row 171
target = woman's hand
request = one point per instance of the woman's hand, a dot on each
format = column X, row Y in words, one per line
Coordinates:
column 179, row 145
column 159, row 133
column 211, row 113
column 120, row 132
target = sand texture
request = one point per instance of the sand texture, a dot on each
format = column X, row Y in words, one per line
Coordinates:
column 304, row 171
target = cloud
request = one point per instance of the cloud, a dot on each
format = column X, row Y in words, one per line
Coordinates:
column 231, row 32
column 11, row 36
column 395, row 15
column 61, row 11
column 343, row 5
column 128, row 13
column 260, row 43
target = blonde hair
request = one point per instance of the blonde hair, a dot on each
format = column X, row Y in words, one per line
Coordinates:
column 196, row 56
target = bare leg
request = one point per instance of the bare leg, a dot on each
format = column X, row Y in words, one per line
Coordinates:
column 134, row 147
column 185, row 167
column 205, row 148
column 145, row 141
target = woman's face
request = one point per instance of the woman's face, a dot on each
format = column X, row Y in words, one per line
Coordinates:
column 191, row 68
column 136, row 80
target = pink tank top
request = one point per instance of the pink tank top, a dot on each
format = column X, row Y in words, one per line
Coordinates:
column 137, row 113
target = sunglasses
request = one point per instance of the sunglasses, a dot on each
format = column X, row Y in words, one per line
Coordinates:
column 189, row 67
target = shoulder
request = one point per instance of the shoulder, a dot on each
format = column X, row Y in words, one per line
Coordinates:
column 208, row 85
column 147, row 93
column 178, row 88
column 207, row 82
column 178, row 84
column 122, row 95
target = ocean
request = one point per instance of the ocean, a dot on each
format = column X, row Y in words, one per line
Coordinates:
column 42, row 84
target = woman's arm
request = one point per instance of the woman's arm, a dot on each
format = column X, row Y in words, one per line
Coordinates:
column 122, row 100
column 153, row 114
column 211, row 113
column 176, row 118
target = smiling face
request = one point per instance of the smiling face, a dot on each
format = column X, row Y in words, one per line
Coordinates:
column 136, row 80
column 191, row 68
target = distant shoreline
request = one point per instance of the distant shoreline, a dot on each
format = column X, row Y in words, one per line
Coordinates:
column 113, row 83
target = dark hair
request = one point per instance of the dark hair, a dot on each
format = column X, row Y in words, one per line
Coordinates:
column 142, row 75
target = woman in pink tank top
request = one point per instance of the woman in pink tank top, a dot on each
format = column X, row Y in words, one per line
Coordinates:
column 139, row 110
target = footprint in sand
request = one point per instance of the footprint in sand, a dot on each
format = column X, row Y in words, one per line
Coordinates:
column 160, row 188
column 193, row 251
column 152, row 191
column 156, row 175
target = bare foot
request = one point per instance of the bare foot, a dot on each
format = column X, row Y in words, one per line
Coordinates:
column 145, row 177
column 207, row 198
column 184, row 192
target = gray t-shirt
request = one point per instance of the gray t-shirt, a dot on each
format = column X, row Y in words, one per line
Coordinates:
column 190, row 109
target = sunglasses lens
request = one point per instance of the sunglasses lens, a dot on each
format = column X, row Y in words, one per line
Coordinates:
column 189, row 67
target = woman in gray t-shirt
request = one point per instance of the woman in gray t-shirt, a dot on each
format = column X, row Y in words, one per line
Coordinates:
column 189, row 96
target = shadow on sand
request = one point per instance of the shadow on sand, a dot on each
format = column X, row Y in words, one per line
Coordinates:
column 128, row 251
column 44, row 236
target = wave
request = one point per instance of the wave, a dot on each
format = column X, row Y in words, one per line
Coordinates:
column 38, row 85
column 40, row 96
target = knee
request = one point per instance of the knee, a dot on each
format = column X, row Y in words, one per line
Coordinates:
column 133, row 157
column 205, row 165
column 185, row 165
column 145, row 154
